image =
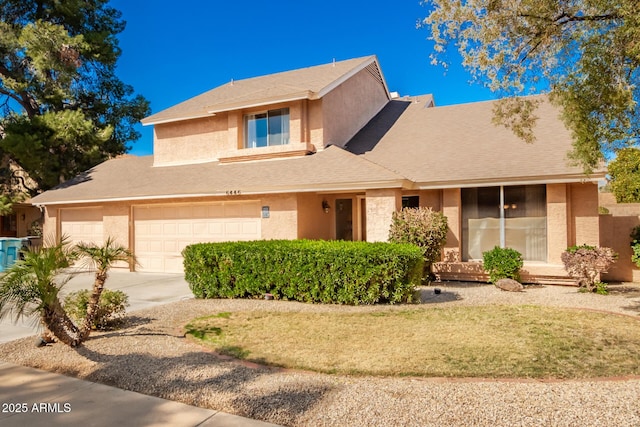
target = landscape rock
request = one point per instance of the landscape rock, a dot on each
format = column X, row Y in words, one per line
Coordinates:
column 509, row 285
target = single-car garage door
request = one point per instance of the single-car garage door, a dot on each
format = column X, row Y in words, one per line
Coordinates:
column 82, row 225
column 162, row 232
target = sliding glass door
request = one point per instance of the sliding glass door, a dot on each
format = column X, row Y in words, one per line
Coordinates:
column 509, row 217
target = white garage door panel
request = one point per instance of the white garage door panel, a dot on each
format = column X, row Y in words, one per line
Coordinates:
column 82, row 225
column 162, row 232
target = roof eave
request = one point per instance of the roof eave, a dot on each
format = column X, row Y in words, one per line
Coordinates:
column 373, row 59
column 559, row 179
column 233, row 106
column 337, row 187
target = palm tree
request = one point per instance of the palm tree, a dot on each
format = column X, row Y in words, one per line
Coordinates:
column 32, row 287
column 102, row 259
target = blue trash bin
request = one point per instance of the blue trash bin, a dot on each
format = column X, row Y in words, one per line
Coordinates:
column 9, row 251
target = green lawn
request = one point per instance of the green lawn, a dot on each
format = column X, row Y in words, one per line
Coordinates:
column 487, row 341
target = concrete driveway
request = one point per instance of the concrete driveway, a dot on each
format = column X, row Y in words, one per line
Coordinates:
column 144, row 290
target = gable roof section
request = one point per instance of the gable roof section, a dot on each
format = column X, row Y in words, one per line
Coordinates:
column 305, row 83
column 459, row 146
column 135, row 178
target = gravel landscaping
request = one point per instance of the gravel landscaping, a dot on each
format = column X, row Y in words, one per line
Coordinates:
column 152, row 356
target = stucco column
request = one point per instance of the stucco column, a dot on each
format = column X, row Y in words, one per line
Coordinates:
column 381, row 204
column 586, row 220
column 557, row 222
column 50, row 229
column 234, row 126
column 451, row 208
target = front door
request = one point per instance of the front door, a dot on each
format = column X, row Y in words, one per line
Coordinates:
column 344, row 219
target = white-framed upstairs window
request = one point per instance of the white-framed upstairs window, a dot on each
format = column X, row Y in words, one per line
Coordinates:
column 267, row 128
column 509, row 217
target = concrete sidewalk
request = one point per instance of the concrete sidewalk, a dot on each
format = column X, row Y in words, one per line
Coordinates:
column 30, row 397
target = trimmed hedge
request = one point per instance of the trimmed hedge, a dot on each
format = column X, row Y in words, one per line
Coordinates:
column 334, row 272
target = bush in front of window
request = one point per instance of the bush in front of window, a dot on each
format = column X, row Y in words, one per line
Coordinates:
column 330, row 272
column 585, row 264
column 502, row 263
column 424, row 228
column 635, row 245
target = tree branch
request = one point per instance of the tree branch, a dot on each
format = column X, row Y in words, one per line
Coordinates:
column 565, row 18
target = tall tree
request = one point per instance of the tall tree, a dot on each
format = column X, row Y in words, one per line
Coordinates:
column 585, row 53
column 62, row 107
column 624, row 175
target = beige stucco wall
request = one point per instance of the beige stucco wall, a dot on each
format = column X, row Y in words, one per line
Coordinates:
column 451, row 202
column 557, row 222
column 380, row 206
column 283, row 219
column 585, row 218
column 431, row 199
column 350, row 106
column 313, row 222
column 25, row 216
column 615, row 230
column 191, row 141
column 222, row 136
column 314, row 124
column 50, row 223
column 115, row 219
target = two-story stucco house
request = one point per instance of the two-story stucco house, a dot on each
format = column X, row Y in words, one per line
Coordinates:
column 326, row 153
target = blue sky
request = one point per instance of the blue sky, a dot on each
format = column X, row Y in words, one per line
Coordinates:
column 174, row 50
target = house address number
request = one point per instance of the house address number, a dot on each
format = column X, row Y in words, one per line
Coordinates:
column 233, row 192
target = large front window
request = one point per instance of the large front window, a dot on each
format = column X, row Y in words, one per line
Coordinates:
column 266, row 129
column 510, row 217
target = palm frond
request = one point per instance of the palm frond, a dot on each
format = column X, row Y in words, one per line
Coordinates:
column 34, row 282
column 103, row 257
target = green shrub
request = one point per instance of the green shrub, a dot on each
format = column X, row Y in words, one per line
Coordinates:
column 424, row 228
column 111, row 307
column 635, row 256
column 585, row 263
column 335, row 272
column 502, row 263
column 635, row 235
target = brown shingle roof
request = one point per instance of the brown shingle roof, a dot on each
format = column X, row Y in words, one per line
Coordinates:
column 460, row 146
column 136, row 178
column 304, row 83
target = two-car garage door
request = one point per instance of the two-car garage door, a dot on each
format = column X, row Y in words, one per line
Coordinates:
column 162, row 232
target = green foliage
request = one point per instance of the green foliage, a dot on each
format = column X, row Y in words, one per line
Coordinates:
column 331, row 272
column 635, row 234
column 601, row 288
column 624, row 172
column 501, row 263
column 422, row 227
column 584, row 53
column 54, row 146
column 31, row 287
column 7, row 201
column 102, row 258
column 64, row 109
column 635, row 256
column 110, row 311
column 585, row 263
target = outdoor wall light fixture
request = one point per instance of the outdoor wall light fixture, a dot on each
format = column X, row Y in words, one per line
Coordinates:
column 325, row 206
